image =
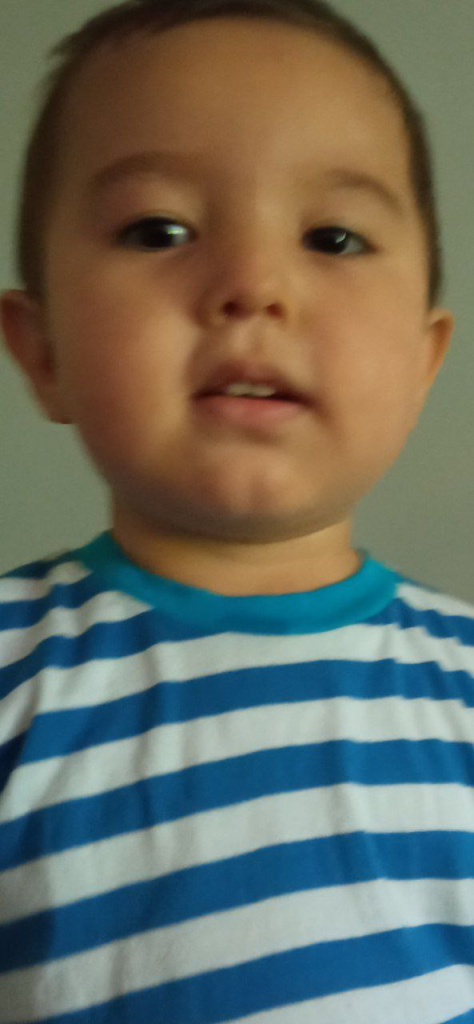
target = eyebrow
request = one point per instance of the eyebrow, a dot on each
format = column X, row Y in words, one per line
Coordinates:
column 184, row 166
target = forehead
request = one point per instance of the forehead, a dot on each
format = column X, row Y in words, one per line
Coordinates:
column 247, row 96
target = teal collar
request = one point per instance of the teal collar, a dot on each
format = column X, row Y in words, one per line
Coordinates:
column 353, row 600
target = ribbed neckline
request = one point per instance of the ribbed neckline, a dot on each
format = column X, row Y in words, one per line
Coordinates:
column 355, row 599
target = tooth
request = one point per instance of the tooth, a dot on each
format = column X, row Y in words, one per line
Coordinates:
column 241, row 389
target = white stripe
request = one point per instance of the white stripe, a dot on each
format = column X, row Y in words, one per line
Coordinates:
column 71, row 572
column 118, row 606
column 422, row 599
column 107, row 606
column 24, row 588
column 206, row 838
column 172, row 748
column 226, row 939
column 431, row 999
column 100, row 681
column 18, row 642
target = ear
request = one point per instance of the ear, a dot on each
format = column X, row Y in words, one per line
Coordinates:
column 27, row 343
column 434, row 345
column 439, row 335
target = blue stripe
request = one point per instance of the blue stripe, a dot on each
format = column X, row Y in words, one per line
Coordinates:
column 10, row 754
column 234, row 882
column 288, row 978
column 20, row 614
column 58, row 733
column 113, row 640
column 40, row 568
column 440, row 625
column 227, row 782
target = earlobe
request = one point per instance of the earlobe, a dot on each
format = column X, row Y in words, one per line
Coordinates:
column 441, row 331
column 20, row 330
column 438, row 335
column 29, row 347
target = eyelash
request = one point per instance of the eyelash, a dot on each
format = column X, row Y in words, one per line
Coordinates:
column 163, row 221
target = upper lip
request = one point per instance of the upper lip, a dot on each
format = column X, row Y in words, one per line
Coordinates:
column 236, row 370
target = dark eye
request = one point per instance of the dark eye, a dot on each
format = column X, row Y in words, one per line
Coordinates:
column 153, row 231
column 162, row 232
column 333, row 240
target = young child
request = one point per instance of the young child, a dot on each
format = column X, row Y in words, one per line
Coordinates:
column 236, row 754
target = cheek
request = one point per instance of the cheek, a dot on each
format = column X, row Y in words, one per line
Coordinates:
column 371, row 383
column 117, row 376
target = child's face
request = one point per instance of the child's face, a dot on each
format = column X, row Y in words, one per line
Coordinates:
column 137, row 326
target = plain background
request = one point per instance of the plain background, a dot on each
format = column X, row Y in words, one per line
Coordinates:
column 419, row 517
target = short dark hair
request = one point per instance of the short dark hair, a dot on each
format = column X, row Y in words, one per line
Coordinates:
column 154, row 16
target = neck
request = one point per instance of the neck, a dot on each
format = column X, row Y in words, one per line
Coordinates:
column 296, row 565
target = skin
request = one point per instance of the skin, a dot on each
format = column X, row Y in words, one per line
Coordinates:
column 127, row 333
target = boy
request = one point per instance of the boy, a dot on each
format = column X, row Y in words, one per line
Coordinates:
column 237, row 754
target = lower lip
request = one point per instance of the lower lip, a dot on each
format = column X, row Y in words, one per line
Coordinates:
column 249, row 412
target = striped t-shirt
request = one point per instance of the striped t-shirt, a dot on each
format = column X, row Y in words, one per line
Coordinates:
column 218, row 808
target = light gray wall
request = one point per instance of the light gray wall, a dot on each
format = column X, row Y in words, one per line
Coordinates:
column 419, row 518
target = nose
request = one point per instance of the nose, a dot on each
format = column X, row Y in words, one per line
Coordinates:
column 241, row 308
column 250, row 279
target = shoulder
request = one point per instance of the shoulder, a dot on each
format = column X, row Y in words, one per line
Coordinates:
column 36, row 603
column 437, row 606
